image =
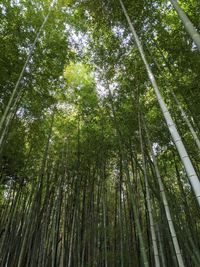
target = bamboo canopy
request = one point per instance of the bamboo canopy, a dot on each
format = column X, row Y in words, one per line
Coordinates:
column 99, row 133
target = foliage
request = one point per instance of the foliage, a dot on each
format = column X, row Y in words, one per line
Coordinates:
column 72, row 185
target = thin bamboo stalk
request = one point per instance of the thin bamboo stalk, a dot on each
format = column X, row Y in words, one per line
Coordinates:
column 191, row 173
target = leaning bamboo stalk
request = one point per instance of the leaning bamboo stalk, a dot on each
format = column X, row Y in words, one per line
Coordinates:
column 6, row 118
column 191, row 173
column 9, row 118
column 194, row 134
column 182, row 111
column 162, row 255
column 165, row 203
column 148, row 199
column 187, row 23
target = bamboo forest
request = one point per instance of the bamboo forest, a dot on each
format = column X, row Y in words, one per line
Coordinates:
column 99, row 133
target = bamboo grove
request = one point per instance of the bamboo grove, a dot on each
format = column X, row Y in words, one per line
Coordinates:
column 99, row 133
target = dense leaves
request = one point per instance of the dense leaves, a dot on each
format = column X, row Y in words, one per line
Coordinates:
column 75, row 154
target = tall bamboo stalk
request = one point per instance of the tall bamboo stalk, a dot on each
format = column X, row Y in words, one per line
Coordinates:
column 183, row 113
column 185, row 117
column 166, row 205
column 5, row 119
column 191, row 173
column 129, row 188
column 187, row 23
column 148, row 199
